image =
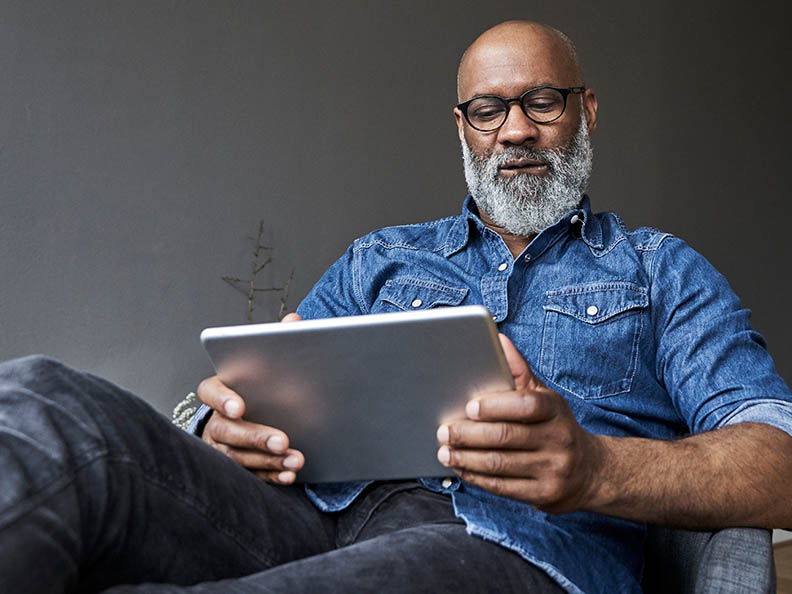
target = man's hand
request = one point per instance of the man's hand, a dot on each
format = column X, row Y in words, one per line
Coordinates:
column 524, row 444
column 263, row 450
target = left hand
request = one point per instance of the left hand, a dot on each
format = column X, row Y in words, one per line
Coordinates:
column 524, row 444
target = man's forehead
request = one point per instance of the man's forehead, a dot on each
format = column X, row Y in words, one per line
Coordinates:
column 506, row 62
column 510, row 72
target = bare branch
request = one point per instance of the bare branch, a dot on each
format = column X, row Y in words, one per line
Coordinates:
column 248, row 285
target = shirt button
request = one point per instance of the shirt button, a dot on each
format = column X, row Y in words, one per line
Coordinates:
column 527, row 257
column 447, row 482
column 417, row 303
column 592, row 310
column 503, row 267
column 574, row 220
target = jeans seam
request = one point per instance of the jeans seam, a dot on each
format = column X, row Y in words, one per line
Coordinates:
column 29, row 504
column 179, row 492
column 372, row 509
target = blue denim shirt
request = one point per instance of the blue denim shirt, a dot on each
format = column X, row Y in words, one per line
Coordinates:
column 638, row 332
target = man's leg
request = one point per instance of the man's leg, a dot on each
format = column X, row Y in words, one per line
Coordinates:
column 100, row 489
column 396, row 539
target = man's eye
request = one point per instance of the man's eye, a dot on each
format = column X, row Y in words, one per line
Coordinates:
column 541, row 105
column 487, row 113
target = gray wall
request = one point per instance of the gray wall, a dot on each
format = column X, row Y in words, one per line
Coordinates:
column 141, row 141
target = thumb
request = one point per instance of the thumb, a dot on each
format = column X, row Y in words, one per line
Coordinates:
column 292, row 317
column 520, row 370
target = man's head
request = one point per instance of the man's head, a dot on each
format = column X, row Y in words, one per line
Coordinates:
column 525, row 175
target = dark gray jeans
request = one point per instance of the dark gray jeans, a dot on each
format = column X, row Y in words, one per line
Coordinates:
column 98, row 490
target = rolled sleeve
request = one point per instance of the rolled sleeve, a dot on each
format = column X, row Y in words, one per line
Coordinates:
column 770, row 411
column 199, row 420
column 712, row 362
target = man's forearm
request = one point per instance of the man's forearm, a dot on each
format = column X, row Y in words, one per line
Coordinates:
column 740, row 475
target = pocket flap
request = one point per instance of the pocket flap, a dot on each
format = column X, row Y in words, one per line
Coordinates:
column 414, row 293
column 596, row 303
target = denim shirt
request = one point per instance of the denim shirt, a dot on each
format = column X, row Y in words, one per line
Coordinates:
column 637, row 331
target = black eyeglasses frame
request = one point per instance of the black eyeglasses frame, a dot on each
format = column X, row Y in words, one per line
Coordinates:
column 463, row 107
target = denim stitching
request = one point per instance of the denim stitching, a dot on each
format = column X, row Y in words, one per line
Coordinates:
column 357, row 288
column 614, row 388
column 60, row 482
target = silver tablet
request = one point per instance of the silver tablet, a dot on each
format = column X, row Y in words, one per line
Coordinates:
column 362, row 396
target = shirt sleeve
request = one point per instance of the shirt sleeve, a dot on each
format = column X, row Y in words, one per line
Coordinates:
column 713, row 364
column 338, row 292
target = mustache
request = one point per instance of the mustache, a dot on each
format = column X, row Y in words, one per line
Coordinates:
column 512, row 153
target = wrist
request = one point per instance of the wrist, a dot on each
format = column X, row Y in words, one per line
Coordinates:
column 601, row 488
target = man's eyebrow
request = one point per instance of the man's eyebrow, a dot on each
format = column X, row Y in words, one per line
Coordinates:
column 536, row 86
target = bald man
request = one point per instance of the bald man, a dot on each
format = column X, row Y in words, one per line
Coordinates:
column 642, row 396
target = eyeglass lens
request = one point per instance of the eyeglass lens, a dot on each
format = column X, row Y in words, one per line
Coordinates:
column 541, row 105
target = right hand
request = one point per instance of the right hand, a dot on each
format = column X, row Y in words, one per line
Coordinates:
column 262, row 450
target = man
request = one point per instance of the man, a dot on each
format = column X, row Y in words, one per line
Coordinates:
column 618, row 341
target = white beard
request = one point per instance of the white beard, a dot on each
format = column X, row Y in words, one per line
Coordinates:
column 526, row 204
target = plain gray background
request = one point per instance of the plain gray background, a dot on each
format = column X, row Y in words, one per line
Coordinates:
column 142, row 140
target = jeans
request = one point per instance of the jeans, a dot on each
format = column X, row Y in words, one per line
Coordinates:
column 99, row 490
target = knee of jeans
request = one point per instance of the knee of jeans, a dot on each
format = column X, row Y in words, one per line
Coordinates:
column 33, row 365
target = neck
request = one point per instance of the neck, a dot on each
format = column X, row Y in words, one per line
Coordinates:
column 515, row 243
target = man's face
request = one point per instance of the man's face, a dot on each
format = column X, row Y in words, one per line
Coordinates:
column 515, row 158
column 524, row 204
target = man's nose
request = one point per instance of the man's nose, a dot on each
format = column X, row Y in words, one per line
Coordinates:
column 518, row 128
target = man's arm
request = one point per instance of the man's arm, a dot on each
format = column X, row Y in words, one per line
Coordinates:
column 526, row 444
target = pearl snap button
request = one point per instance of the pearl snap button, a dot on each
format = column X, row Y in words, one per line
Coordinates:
column 503, row 267
column 592, row 310
column 417, row 303
column 447, row 482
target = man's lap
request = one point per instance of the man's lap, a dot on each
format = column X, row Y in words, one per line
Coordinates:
column 111, row 492
column 396, row 538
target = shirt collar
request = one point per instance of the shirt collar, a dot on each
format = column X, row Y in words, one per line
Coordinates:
column 459, row 234
column 590, row 228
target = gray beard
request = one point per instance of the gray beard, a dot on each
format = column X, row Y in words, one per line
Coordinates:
column 526, row 204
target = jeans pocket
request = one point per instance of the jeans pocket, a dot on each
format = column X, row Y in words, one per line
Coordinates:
column 590, row 337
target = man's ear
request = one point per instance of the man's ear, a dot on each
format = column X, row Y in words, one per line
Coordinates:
column 590, row 107
column 459, row 122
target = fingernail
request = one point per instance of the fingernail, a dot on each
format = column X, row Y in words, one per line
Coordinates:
column 472, row 409
column 275, row 443
column 442, row 434
column 231, row 408
column 291, row 462
column 444, row 455
column 286, row 476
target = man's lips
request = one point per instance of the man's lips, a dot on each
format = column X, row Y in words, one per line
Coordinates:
column 518, row 166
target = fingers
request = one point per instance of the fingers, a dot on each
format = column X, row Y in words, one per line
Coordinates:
column 292, row 317
column 526, row 407
column 221, row 398
column 507, row 463
column 504, row 436
column 244, row 434
column 281, row 477
column 261, row 449
column 272, row 468
column 542, row 494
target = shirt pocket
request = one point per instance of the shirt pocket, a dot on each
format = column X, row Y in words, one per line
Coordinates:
column 590, row 337
column 411, row 294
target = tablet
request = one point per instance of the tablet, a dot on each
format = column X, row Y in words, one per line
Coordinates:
column 362, row 396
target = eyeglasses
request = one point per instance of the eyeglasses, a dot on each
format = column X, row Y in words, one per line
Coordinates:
column 540, row 104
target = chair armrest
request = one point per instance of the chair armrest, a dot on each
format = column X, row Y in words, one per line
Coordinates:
column 730, row 561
